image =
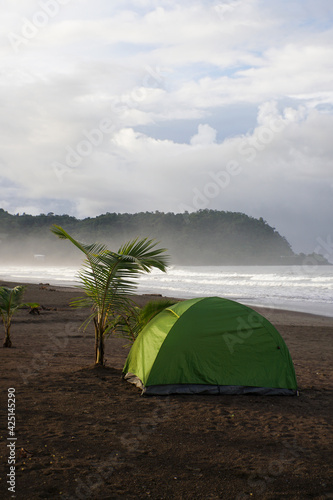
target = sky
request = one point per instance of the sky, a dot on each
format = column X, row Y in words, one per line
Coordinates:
column 146, row 105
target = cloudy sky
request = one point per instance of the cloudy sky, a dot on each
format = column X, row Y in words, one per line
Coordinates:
column 144, row 105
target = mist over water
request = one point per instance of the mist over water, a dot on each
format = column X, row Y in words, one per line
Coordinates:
column 298, row 288
column 39, row 273
column 24, row 251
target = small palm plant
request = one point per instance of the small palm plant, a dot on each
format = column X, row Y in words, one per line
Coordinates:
column 107, row 279
column 130, row 323
column 10, row 302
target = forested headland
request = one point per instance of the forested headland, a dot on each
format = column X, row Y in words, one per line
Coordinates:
column 206, row 237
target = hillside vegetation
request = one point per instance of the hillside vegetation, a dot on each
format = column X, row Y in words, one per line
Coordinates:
column 206, row 237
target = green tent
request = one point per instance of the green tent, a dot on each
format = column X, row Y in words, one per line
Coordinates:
column 210, row 345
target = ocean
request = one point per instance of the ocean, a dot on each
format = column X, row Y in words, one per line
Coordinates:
column 296, row 288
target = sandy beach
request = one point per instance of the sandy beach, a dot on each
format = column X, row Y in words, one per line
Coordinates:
column 84, row 433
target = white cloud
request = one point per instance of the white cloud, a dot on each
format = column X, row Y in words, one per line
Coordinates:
column 152, row 63
column 206, row 135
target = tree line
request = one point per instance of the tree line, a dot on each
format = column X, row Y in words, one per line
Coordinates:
column 205, row 237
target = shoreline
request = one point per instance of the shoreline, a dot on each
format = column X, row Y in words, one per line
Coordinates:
column 258, row 307
column 83, row 432
column 57, row 298
column 295, row 289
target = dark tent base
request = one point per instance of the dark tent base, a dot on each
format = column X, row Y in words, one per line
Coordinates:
column 164, row 390
column 161, row 390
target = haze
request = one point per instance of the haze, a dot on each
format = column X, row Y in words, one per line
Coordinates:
column 131, row 106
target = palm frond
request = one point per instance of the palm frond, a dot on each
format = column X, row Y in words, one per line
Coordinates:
column 145, row 254
column 151, row 309
column 11, row 298
column 87, row 249
column 132, row 320
column 108, row 280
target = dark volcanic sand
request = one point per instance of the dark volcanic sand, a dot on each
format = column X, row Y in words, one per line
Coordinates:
column 82, row 432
